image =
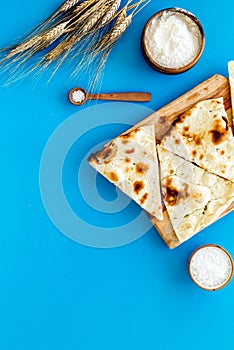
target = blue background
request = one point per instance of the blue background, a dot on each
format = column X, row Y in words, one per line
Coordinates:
column 57, row 294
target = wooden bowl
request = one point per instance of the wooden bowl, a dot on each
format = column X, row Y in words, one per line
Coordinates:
column 152, row 62
column 196, row 282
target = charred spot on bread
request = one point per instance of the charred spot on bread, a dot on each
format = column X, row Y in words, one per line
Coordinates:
column 138, row 186
column 144, row 198
column 129, row 135
column 186, row 128
column 172, row 195
column 183, row 116
column 129, row 151
column 219, row 133
column 142, row 168
column 107, row 153
column 113, row 176
column 198, row 140
column 93, row 159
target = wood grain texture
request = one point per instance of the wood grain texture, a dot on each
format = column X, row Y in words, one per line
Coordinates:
column 122, row 96
column 214, row 87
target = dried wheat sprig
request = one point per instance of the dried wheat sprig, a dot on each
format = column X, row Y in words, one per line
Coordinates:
column 93, row 20
column 110, row 14
column 120, row 15
column 48, row 37
column 34, row 43
column 104, row 46
column 75, row 38
column 81, row 27
column 90, row 11
column 101, row 45
column 54, row 19
column 24, row 46
column 67, row 5
column 55, row 33
column 122, row 23
column 83, row 6
column 119, row 29
column 107, row 43
column 59, row 49
column 119, row 20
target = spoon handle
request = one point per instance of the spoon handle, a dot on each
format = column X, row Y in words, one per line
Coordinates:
column 122, row 96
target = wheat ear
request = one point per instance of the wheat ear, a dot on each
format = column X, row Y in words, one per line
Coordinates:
column 104, row 46
column 52, row 35
column 45, row 40
column 75, row 39
column 77, row 36
column 67, row 5
column 24, row 46
column 90, row 12
column 110, row 14
column 83, row 6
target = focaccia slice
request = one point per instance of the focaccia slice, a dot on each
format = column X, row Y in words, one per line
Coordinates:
column 202, row 135
column 130, row 162
column 194, row 198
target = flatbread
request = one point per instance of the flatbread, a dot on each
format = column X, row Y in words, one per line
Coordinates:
column 130, row 162
column 202, row 135
column 194, row 198
column 231, row 83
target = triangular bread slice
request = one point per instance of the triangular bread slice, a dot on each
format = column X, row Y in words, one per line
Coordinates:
column 231, row 83
column 202, row 135
column 130, row 162
column 194, row 198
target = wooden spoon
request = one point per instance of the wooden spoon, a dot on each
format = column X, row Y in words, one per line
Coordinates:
column 79, row 96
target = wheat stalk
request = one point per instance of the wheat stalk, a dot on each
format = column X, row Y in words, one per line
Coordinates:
column 34, row 43
column 104, row 46
column 119, row 29
column 110, row 14
column 78, row 35
column 52, row 35
column 90, row 11
column 67, row 5
column 121, row 18
column 53, row 19
column 85, row 27
column 94, row 20
column 59, row 49
column 83, row 6
column 24, row 46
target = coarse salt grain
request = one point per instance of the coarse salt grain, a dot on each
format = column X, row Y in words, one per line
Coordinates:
column 211, row 267
column 173, row 40
column 78, row 96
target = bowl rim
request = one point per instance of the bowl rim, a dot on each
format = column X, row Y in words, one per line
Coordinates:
column 226, row 252
column 169, row 70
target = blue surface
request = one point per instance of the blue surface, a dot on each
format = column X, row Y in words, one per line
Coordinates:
column 57, row 294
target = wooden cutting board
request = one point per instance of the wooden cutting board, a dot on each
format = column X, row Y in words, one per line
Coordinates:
column 214, row 87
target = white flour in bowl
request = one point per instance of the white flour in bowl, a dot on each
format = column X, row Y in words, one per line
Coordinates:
column 173, row 40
